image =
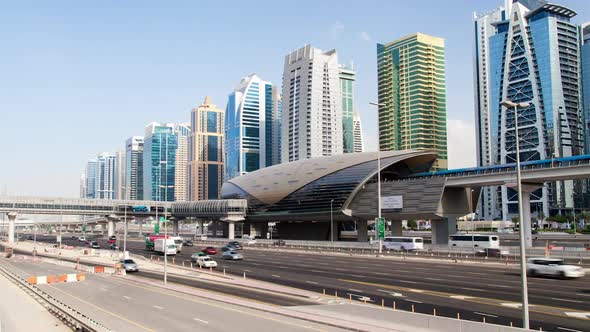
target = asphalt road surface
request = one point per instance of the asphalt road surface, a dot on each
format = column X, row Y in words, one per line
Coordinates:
column 475, row 291
column 125, row 306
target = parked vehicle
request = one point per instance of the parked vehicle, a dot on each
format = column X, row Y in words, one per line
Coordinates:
column 232, row 255
column 113, row 239
column 235, row 244
column 556, row 267
column 139, row 208
column 94, row 245
column 204, row 261
column 129, row 265
column 491, row 252
column 474, row 240
column 165, row 246
column 82, row 239
column 209, row 250
column 403, row 243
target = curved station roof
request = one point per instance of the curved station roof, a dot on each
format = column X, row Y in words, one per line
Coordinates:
column 320, row 184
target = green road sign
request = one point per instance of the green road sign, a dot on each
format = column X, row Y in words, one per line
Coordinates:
column 84, row 228
column 381, row 228
column 157, row 228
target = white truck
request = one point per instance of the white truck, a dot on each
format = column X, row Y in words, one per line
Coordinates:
column 178, row 241
column 165, row 246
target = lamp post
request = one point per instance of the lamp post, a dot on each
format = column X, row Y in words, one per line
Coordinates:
column 331, row 223
column 525, row 298
column 378, row 176
column 574, row 210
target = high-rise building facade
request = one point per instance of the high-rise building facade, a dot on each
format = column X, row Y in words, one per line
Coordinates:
column 412, row 95
column 250, row 120
column 347, row 77
column 358, row 142
column 105, row 178
column 527, row 51
column 311, row 105
column 159, row 162
column 90, row 179
column 183, row 131
column 206, row 155
column 120, row 183
column 585, row 54
column 134, row 168
column 277, row 108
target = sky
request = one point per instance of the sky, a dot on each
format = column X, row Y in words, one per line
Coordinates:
column 80, row 77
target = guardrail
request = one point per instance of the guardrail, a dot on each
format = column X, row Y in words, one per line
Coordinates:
column 69, row 315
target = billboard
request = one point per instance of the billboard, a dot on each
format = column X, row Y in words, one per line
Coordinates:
column 392, row 202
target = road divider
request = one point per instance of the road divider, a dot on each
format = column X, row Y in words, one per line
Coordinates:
column 51, row 279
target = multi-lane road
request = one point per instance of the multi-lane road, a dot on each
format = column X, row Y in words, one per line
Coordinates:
column 472, row 291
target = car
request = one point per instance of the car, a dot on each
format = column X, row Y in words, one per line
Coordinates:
column 112, row 239
column 114, row 246
column 235, row 244
column 228, row 247
column 30, row 237
column 129, row 265
column 492, row 252
column 280, row 243
column 546, row 266
column 74, row 237
column 195, row 256
column 82, row 239
column 209, row 250
column 232, row 255
column 94, row 245
column 188, row 243
column 206, row 261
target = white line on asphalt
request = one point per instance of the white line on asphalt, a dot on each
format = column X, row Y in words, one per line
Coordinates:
column 473, row 289
column 311, row 282
column 283, row 267
column 157, row 307
column 276, row 275
column 392, row 293
column 382, row 273
column 566, row 329
column 357, row 275
column 355, row 290
column 413, row 301
column 316, row 271
column 566, row 300
column 247, row 271
column 421, row 268
column 339, row 269
column 483, row 314
column 436, row 279
column 408, row 281
column 253, row 264
column 477, row 273
column 582, row 294
column 401, row 271
column 127, row 297
column 502, row 286
column 200, row 320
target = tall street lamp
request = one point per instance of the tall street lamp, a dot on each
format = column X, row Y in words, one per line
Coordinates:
column 331, row 223
column 378, row 176
column 525, row 298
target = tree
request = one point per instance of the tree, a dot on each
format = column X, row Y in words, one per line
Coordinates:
column 412, row 224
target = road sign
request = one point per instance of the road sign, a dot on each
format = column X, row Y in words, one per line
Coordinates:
column 157, row 228
column 380, row 226
column 84, row 228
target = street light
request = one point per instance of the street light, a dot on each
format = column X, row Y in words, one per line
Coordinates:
column 331, row 223
column 525, row 298
column 378, row 176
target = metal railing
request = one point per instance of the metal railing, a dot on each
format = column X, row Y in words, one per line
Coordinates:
column 67, row 314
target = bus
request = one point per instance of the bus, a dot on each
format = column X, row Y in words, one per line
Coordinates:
column 474, row 240
column 403, row 243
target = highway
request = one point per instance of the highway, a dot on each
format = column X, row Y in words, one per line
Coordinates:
column 474, row 291
column 129, row 306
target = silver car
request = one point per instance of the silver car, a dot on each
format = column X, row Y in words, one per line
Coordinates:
column 129, row 265
column 233, row 255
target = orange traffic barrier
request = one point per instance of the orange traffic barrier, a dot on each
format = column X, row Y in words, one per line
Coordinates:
column 81, row 277
column 62, row 278
column 50, row 279
column 99, row 269
column 32, row 280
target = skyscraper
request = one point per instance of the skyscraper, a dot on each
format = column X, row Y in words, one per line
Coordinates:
column 106, row 169
column 159, row 162
column 206, row 142
column 250, row 134
column 311, row 105
column 359, row 143
column 412, row 91
column 585, row 53
column 90, row 179
column 120, row 183
column 527, row 51
column 347, row 77
column 183, row 131
column 134, row 167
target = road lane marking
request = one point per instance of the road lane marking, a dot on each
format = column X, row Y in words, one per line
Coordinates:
column 566, row 300
column 127, row 297
column 382, row 273
column 566, row 329
column 472, row 289
column 413, row 301
column 311, row 282
column 408, row 281
column 435, row 279
column 358, row 275
column 355, row 290
column 501, row 286
column 460, row 297
column 394, row 294
column 581, row 315
column 484, row 314
column 157, row 307
column 200, row 320
column 316, row 271
column 276, row 275
column 283, row 267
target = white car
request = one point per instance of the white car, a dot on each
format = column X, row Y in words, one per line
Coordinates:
column 552, row 267
column 206, row 261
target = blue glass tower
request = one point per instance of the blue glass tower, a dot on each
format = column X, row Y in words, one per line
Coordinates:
column 159, row 162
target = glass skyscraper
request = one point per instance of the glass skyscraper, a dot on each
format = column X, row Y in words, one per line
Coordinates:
column 90, row 180
column 347, row 77
column 527, row 51
column 585, row 53
column 206, row 156
column 183, row 131
column 159, row 162
column 250, row 136
column 134, row 168
column 412, row 94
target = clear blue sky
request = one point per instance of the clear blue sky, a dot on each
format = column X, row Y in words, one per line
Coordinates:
column 79, row 77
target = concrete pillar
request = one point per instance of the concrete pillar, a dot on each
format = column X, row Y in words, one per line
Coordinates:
column 110, row 228
column 334, row 230
column 441, row 229
column 175, row 226
column 11, row 224
column 246, row 228
column 396, row 228
column 231, row 227
column 362, row 233
column 200, row 229
column 140, row 227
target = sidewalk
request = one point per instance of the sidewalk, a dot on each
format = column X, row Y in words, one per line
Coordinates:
column 17, row 308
